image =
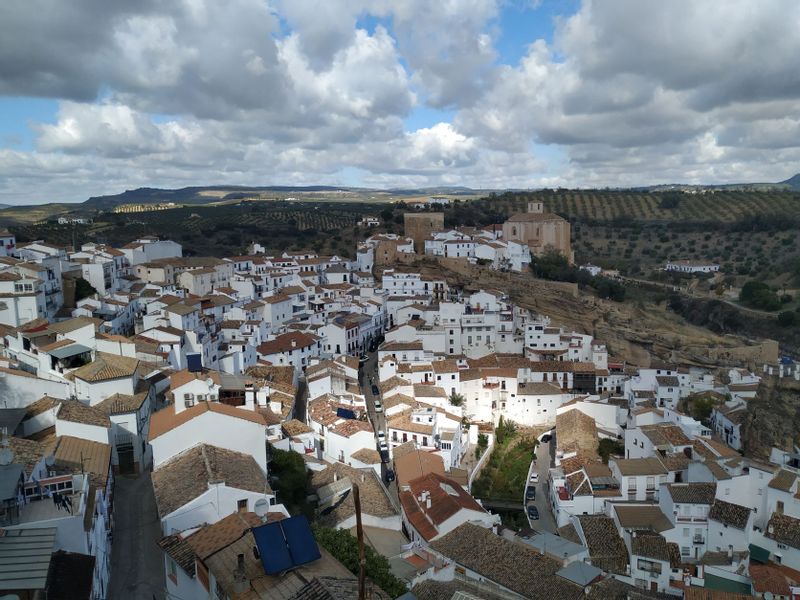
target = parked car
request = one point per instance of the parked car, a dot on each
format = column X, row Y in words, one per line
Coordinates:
column 384, row 452
column 378, row 406
column 389, row 475
column 363, row 358
column 530, row 493
column 533, row 513
column 534, row 477
column 381, row 436
column 375, row 390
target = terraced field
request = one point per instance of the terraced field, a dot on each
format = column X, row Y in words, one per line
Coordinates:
column 604, row 206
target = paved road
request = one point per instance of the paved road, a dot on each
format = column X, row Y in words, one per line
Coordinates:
column 137, row 564
column 378, row 420
column 542, row 466
column 301, row 399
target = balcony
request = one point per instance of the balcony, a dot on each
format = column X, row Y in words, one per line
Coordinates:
column 698, row 539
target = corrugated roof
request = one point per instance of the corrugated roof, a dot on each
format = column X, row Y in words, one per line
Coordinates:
column 25, row 556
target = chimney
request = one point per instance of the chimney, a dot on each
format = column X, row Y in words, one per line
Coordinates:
column 428, row 501
column 294, row 344
column 335, row 476
column 240, row 583
column 730, row 551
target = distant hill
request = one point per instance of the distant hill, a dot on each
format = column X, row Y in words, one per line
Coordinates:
column 793, row 182
column 208, row 194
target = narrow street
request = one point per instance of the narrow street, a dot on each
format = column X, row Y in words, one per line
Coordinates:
column 369, row 374
column 137, row 564
column 545, row 522
column 301, row 399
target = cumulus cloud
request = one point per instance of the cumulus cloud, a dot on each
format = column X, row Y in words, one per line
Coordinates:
column 256, row 92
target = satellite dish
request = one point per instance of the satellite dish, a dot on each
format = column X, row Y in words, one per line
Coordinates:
column 6, row 456
column 261, row 507
column 210, row 382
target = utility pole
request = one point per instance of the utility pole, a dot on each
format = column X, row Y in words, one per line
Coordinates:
column 362, row 561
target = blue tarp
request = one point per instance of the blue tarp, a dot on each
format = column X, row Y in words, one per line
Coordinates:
column 286, row 544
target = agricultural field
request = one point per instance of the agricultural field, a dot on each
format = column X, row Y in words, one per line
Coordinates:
column 221, row 230
column 750, row 234
column 598, row 206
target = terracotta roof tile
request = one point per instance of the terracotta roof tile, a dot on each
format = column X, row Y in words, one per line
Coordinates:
column 514, row 566
column 187, row 476
column 179, row 550
column 106, row 367
column 784, row 529
column 78, row 455
column 212, row 538
column 78, row 412
column 729, row 514
column 607, row 551
column 167, row 419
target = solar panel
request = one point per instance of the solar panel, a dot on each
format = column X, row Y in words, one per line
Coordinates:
column 345, row 413
column 272, row 548
column 302, row 545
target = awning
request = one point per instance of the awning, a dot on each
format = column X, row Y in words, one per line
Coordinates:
column 67, row 351
column 759, row 554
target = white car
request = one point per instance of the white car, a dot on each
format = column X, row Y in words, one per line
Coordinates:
column 383, row 446
column 381, row 436
column 534, row 477
column 378, row 406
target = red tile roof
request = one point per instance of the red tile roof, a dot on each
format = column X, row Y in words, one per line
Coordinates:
column 166, row 420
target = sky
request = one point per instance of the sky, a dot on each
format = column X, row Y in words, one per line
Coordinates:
column 97, row 97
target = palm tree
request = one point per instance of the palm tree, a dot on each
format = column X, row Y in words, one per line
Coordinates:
column 457, row 399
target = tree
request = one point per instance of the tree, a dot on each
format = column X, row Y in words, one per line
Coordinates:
column 702, row 407
column 483, row 444
column 608, row 447
column 504, row 430
column 83, row 289
column 344, row 547
column 291, row 482
column 787, row 319
column 457, row 399
column 670, row 200
column 759, row 295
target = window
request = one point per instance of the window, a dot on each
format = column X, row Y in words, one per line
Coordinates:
column 173, row 570
column 241, row 505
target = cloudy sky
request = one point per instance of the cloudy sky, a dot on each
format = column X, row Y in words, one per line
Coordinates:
column 97, row 96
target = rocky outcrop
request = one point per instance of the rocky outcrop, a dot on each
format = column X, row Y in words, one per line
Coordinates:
column 637, row 332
